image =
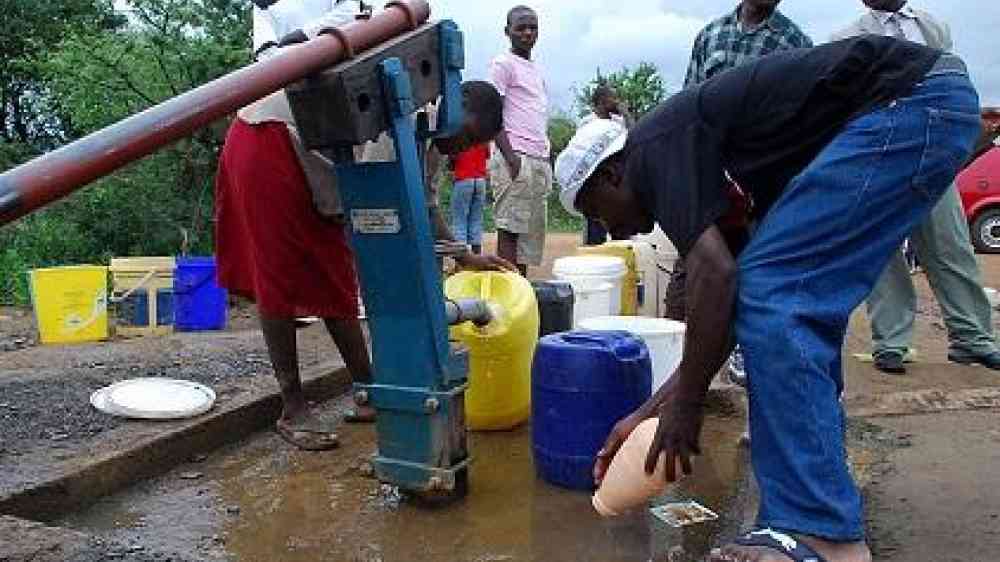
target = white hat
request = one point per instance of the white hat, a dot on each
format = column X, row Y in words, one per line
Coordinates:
column 593, row 143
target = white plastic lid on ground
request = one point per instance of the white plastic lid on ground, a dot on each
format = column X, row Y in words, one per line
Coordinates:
column 154, row 398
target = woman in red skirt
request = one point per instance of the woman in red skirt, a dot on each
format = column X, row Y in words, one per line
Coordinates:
column 274, row 247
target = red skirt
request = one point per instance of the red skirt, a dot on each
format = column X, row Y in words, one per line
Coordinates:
column 271, row 245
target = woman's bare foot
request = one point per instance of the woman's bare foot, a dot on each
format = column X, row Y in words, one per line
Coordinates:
column 832, row 552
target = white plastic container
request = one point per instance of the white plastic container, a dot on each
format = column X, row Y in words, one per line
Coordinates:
column 593, row 270
column 591, row 300
column 664, row 338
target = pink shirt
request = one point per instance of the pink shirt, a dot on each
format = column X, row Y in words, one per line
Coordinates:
column 525, row 103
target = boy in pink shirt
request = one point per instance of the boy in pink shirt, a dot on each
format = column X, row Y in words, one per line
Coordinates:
column 523, row 178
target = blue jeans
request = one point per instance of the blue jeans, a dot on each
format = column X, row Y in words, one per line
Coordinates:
column 815, row 257
column 467, row 200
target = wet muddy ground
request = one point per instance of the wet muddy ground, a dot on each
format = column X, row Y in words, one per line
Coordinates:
column 262, row 501
column 932, row 478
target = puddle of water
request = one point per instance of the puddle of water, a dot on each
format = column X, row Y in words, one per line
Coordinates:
column 260, row 501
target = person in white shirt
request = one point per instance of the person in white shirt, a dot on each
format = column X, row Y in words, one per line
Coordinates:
column 605, row 103
column 942, row 243
column 277, row 22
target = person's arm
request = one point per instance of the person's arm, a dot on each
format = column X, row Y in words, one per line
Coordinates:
column 439, row 225
column 802, row 40
column 500, row 77
column 679, row 403
column 697, row 60
column 946, row 42
column 509, row 156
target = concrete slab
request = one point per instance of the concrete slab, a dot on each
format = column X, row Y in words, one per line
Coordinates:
column 43, row 486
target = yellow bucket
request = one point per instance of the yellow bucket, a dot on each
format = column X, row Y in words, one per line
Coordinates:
column 71, row 303
column 631, row 281
column 500, row 354
column 143, row 292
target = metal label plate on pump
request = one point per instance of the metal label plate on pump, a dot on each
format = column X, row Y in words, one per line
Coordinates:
column 375, row 221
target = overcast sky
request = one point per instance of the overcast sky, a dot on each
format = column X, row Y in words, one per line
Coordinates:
column 576, row 37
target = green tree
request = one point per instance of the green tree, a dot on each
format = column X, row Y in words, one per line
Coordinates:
column 561, row 128
column 98, row 75
column 31, row 29
column 641, row 88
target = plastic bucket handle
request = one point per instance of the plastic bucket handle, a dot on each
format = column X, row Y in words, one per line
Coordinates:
column 138, row 286
column 184, row 288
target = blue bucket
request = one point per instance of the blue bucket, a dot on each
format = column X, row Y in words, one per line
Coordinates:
column 134, row 310
column 199, row 302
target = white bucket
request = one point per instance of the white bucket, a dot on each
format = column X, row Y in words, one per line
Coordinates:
column 591, row 300
column 664, row 338
column 593, row 270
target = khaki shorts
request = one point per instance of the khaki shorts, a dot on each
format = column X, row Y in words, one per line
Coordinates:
column 522, row 205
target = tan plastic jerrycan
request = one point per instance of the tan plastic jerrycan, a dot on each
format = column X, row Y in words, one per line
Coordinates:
column 626, row 486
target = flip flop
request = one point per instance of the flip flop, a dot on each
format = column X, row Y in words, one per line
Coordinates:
column 352, row 416
column 308, row 435
column 791, row 547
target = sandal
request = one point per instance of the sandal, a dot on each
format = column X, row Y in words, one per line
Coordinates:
column 791, row 547
column 307, row 435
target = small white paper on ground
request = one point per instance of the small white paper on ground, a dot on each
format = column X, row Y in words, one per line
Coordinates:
column 683, row 514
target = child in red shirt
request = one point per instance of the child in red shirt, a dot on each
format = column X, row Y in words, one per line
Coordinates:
column 469, row 195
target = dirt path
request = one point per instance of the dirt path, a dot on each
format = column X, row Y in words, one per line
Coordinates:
column 935, row 492
column 940, row 499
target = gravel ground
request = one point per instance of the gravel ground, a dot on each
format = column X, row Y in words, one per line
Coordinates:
column 45, row 390
column 56, row 408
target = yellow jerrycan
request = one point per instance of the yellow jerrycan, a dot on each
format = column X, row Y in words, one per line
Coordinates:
column 500, row 353
column 631, row 281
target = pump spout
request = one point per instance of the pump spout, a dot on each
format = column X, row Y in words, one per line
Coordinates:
column 467, row 310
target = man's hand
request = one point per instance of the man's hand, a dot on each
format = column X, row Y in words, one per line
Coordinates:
column 618, row 435
column 295, row 37
column 711, row 284
column 473, row 262
column 679, row 432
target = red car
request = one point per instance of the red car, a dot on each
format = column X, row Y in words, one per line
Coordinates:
column 979, row 185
